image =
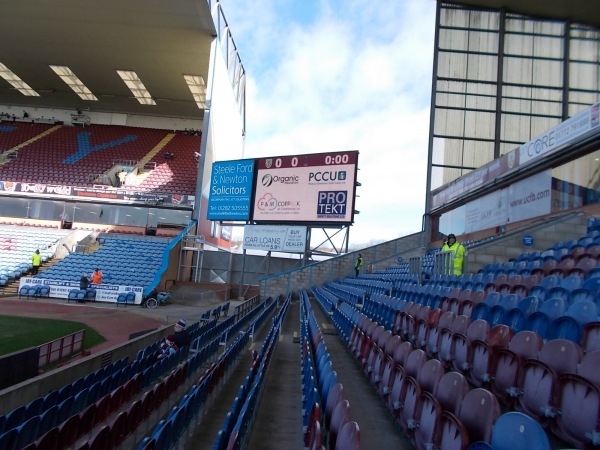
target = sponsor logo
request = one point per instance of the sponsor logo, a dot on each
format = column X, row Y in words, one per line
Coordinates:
column 267, row 202
column 330, row 176
column 332, row 204
column 267, row 180
column 9, row 186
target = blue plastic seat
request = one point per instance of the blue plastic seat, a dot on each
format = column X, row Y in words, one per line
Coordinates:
column 480, row 311
column 581, row 294
column 584, row 312
column 538, row 291
column 498, row 312
column 554, row 308
column 593, row 273
column 530, row 304
column 592, row 284
column 550, row 281
column 518, row 431
column 15, row 418
column 565, row 327
column 571, row 282
column 27, row 432
column 72, row 295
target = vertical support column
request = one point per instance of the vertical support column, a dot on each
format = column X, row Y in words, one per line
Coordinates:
column 499, row 84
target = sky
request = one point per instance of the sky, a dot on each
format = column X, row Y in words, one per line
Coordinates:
column 334, row 75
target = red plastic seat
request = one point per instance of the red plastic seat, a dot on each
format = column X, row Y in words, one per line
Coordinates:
column 340, row 416
column 478, row 412
column 433, row 340
column 462, row 348
column 539, row 377
column 348, row 437
column 507, row 363
column 423, row 326
column 460, row 324
column 483, row 352
column 450, row 391
column 578, row 399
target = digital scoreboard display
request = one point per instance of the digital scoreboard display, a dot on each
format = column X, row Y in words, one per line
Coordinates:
column 317, row 188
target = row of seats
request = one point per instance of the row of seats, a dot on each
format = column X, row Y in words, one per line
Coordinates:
column 170, row 430
column 540, row 379
column 236, row 426
column 27, row 423
column 327, row 420
column 553, row 307
column 434, row 406
column 110, row 428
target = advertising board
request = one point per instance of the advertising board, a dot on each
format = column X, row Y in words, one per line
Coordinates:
column 104, row 292
column 230, row 195
column 315, row 188
column 275, row 238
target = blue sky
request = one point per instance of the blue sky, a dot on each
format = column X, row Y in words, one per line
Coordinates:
column 344, row 75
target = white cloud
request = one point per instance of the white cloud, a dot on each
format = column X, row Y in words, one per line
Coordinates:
column 344, row 75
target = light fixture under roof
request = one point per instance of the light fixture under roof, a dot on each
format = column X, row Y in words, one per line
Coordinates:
column 16, row 82
column 198, row 88
column 137, row 88
column 73, row 82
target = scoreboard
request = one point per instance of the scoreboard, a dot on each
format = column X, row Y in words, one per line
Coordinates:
column 316, row 188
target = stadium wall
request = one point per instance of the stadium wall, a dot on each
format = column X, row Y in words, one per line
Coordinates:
column 341, row 266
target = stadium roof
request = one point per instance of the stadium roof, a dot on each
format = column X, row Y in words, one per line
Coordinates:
column 582, row 11
column 159, row 40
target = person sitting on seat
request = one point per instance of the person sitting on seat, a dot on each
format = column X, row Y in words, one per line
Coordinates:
column 168, row 347
column 181, row 336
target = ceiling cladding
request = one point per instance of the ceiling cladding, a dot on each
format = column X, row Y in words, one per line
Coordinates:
column 161, row 41
column 582, row 11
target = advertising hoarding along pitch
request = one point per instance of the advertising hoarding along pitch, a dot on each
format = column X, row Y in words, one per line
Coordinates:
column 231, row 190
column 316, row 188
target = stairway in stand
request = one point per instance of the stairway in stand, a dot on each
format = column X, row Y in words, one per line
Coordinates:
column 12, row 287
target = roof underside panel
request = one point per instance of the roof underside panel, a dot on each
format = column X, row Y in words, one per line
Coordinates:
column 160, row 40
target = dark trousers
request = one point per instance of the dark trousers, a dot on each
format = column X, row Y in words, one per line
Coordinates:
column 34, row 270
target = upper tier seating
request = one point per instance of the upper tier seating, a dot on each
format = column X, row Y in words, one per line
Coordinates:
column 75, row 156
column 177, row 175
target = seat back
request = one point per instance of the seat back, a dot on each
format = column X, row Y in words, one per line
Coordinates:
column 341, row 415
column 561, row 355
column 450, row 391
column 554, row 308
column 518, row 431
column 430, row 374
column 348, row 437
column 478, row 413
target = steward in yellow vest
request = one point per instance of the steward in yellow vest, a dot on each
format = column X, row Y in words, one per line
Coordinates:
column 458, row 250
